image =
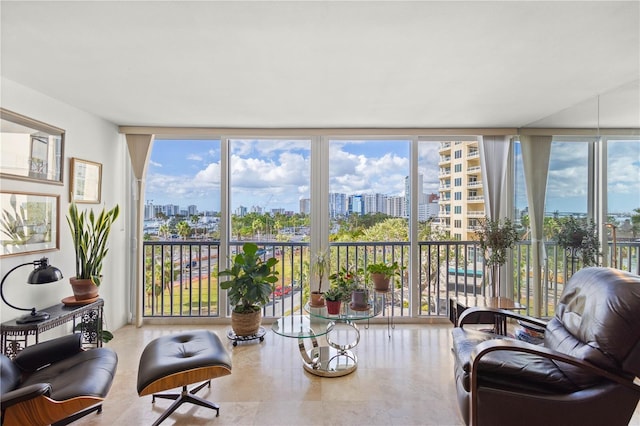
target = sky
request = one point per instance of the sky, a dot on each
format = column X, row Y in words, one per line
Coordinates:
column 276, row 173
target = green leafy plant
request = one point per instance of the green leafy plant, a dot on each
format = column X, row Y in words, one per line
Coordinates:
column 386, row 269
column 251, row 279
column 495, row 237
column 333, row 294
column 90, row 233
column 346, row 280
column 320, row 267
column 579, row 238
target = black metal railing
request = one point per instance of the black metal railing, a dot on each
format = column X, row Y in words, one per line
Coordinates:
column 180, row 277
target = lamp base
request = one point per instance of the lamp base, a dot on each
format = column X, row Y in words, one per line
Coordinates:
column 33, row 317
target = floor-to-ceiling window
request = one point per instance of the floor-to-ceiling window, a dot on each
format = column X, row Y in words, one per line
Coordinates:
column 369, row 207
column 377, row 189
column 181, row 228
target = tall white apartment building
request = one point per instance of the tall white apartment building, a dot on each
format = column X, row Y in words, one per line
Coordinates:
column 461, row 192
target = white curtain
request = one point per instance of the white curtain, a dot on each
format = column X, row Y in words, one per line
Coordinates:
column 494, row 152
column 535, row 161
column 494, row 158
column 139, row 152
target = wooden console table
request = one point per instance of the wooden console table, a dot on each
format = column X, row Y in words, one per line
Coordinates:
column 15, row 337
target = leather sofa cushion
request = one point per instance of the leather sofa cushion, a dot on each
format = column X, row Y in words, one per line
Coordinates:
column 181, row 352
column 88, row 373
column 9, row 375
column 37, row 356
column 599, row 323
column 510, row 370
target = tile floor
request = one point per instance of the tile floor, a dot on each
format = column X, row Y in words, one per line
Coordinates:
column 402, row 380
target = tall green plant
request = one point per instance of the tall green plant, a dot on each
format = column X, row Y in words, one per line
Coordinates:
column 495, row 237
column 90, row 234
column 250, row 280
column 579, row 238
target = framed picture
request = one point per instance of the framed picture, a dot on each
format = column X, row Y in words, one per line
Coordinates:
column 30, row 150
column 86, row 181
column 29, row 222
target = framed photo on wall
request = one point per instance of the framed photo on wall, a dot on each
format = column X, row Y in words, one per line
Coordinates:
column 86, row 181
column 30, row 150
column 29, row 223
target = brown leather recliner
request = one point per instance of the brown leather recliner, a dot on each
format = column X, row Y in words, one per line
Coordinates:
column 583, row 374
column 54, row 382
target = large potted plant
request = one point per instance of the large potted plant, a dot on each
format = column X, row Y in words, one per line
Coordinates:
column 579, row 239
column 381, row 273
column 90, row 234
column 249, row 285
column 495, row 237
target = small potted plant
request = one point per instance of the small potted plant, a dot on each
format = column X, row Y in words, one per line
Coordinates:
column 333, row 299
column 90, row 233
column 381, row 273
column 319, row 269
column 348, row 281
column 250, row 284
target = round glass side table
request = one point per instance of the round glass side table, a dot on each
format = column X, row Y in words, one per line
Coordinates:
column 323, row 361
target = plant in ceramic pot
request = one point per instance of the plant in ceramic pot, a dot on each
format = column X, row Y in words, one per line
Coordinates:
column 333, row 299
column 90, row 234
column 319, row 269
column 349, row 282
column 249, row 285
column 495, row 237
column 381, row 274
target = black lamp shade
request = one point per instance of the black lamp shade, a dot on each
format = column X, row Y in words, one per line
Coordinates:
column 44, row 274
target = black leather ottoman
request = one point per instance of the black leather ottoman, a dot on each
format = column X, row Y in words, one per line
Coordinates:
column 179, row 360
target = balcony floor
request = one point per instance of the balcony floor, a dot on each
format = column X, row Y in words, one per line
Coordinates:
column 403, row 380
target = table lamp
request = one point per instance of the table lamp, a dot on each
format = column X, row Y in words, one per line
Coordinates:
column 43, row 273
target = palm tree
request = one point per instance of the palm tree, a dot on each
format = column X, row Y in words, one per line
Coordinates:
column 164, row 230
column 194, row 220
column 183, row 229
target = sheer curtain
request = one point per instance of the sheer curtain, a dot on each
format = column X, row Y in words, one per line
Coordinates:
column 139, row 152
column 494, row 157
column 535, row 162
column 494, row 153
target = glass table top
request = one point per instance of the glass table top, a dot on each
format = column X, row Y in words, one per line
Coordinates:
column 300, row 326
column 347, row 313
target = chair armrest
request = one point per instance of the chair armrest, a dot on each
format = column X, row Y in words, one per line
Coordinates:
column 24, row 394
column 511, row 345
column 470, row 315
column 519, row 346
column 36, row 356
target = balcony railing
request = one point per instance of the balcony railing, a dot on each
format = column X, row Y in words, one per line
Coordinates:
column 180, row 278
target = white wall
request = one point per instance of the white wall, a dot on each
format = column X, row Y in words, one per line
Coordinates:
column 90, row 138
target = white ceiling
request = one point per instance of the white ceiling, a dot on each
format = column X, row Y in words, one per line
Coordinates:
column 332, row 64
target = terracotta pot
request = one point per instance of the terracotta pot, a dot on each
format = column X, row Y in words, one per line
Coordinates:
column 316, row 299
column 380, row 282
column 333, row 307
column 83, row 289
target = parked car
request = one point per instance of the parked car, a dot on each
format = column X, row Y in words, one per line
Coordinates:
column 280, row 291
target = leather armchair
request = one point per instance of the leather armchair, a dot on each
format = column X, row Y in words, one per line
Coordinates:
column 583, row 374
column 54, row 381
